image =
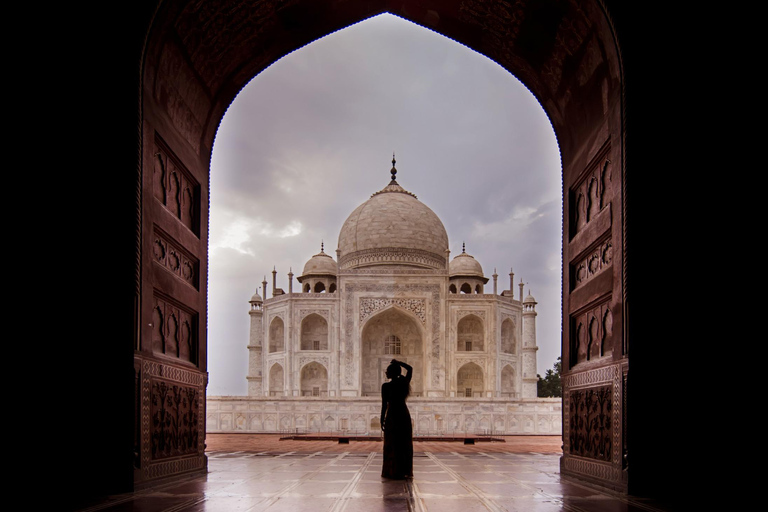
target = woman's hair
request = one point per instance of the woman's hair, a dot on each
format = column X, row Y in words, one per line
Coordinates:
column 394, row 370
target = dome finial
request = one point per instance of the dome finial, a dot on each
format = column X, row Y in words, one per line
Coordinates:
column 463, row 248
column 393, row 170
column 322, row 245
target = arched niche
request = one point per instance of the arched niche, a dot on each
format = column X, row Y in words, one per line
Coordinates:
column 314, row 380
column 277, row 335
column 470, row 381
column 320, row 287
column 391, row 334
column 470, row 334
column 508, row 381
column 508, row 337
column 314, row 333
column 276, row 380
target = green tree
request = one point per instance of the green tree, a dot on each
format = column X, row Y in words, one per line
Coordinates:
column 550, row 385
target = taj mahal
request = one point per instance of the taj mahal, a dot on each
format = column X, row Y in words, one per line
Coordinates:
column 318, row 353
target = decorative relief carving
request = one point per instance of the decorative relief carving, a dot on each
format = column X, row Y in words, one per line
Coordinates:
column 392, row 255
column 477, row 312
column 591, row 193
column 591, row 264
column 591, row 422
column 170, row 255
column 306, row 312
column 323, row 360
column 175, row 188
column 591, row 333
column 371, row 305
column 168, row 426
column 175, row 414
column 437, row 370
column 174, row 330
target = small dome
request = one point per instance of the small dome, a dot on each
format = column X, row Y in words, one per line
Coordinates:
column 256, row 297
column 393, row 228
column 320, row 264
column 529, row 298
column 466, row 266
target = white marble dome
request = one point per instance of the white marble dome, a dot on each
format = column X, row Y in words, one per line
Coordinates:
column 320, row 264
column 466, row 266
column 393, row 228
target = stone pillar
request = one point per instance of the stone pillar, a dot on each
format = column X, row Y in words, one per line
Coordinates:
column 290, row 280
column 255, row 347
column 530, row 378
column 521, row 289
column 495, row 277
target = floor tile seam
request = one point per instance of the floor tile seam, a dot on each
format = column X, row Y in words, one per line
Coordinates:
column 512, row 480
column 489, row 503
column 341, row 502
column 272, row 499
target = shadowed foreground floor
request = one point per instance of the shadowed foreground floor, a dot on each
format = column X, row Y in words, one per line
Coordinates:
column 253, row 473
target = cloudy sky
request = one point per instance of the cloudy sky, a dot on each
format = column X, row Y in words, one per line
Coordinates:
column 311, row 138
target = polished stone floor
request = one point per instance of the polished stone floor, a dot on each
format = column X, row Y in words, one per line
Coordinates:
column 323, row 481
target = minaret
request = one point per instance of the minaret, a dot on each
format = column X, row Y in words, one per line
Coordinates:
column 530, row 377
column 274, row 281
column 521, row 285
column 290, row 280
column 255, row 354
column 495, row 277
column 264, row 286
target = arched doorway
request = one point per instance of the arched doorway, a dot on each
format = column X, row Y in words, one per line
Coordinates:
column 584, row 97
column 390, row 334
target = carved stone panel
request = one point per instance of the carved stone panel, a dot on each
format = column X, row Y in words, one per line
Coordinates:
column 591, row 333
column 175, row 412
column 591, row 264
column 170, row 255
column 175, row 188
column 174, row 330
column 590, row 416
column 371, row 305
column 589, row 195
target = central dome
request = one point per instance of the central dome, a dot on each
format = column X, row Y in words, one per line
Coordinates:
column 393, row 228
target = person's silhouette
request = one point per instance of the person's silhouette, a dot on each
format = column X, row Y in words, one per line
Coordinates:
column 396, row 423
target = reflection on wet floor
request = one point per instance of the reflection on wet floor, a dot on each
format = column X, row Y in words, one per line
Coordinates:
column 351, row 482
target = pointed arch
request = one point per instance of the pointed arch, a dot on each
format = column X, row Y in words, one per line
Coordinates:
column 508, row 337
column 313, row 380
column 276, row 380
column 314, row 333
column 470, row 334
column 277, row 335
column 470, row 381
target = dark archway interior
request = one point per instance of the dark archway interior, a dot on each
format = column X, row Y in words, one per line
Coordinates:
column 115, row 101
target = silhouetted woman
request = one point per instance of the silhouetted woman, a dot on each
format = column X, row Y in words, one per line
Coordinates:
column 396, row 423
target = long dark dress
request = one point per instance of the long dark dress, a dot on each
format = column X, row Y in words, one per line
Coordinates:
column 398, row 440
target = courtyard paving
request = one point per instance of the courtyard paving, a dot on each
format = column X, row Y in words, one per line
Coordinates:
column 254, row 473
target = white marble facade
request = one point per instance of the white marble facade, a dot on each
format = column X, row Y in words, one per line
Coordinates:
column 391, row 292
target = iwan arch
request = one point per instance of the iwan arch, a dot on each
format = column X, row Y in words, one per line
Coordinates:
column 194, row 60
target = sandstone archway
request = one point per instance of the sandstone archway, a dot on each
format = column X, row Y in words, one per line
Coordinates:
column 182, row 78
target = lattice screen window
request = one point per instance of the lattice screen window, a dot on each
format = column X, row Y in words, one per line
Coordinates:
column 468, row 346
column 392, row 345
column 316, row 344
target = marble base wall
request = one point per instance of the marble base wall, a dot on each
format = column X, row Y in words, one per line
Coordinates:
column 232, row 414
